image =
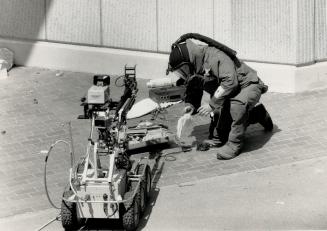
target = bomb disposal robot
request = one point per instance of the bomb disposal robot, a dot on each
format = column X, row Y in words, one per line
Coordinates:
column 107, row 182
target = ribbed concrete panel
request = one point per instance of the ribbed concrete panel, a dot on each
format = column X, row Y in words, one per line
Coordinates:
column 305, row 31
column 74, row 21
column 176, row 17
column 321, row 30
column 22, row 19
column 129, row 24
column 223, row 21
column 264, row 30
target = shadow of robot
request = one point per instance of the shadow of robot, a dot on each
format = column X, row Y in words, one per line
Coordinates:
column 157, row 171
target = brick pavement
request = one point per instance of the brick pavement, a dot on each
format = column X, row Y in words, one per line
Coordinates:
column 36, row 104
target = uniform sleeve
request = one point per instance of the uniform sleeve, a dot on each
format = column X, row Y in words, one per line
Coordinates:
column 194, row 91
column 227, row 79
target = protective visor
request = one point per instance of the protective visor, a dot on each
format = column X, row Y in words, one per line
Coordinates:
column 171, row 69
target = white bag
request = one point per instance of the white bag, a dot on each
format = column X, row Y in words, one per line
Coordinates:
column 183, row 122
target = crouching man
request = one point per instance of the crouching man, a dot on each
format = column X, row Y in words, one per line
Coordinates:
column 234, row 88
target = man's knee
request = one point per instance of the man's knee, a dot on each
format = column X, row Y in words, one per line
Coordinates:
column 238, row 112
column 249, row 96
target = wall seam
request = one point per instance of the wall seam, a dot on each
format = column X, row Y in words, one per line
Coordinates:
column 314, row 32
column 45, row 20
column 157, row 26
column 295, row 26
column 213, row 19
column 101, row 23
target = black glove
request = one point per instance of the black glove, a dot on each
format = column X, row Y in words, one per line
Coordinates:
column 203, row 147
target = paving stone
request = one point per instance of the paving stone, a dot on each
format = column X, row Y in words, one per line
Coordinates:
column 38, row 116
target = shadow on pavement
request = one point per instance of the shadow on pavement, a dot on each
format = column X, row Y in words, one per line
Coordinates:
column 258, row 138
column 156, row 172
column 200, row 132
column 102, row 224
column 255, row 137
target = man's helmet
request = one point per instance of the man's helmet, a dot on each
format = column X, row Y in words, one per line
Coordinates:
column 178, row 57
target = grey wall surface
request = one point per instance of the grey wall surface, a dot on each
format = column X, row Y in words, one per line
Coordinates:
column 129, row 24
column 73, row 21
column 22, row 19
column 276, row 31
column 321, row 30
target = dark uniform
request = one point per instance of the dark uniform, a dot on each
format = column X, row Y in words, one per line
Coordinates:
column 234, row 108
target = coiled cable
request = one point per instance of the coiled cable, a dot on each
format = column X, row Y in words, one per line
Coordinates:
column 45, row 168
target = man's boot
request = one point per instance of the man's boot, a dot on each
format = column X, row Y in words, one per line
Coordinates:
column 229, row 151
column 234, row 145
column 260, row 115
column 219, row 129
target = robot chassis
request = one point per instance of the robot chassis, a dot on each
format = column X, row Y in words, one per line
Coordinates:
column 107, row 182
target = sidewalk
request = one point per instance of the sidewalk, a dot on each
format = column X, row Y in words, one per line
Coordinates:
column 285, row 197
column 36, row 105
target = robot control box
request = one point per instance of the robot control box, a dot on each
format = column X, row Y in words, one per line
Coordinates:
column 99, row 93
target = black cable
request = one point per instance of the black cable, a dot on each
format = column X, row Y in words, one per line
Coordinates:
column 45, row 180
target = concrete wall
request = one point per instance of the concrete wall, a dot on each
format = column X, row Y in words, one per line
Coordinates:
column 73, row 21
column 276, row 31
column 276, row 37
column 320, row 30
column 23, row 19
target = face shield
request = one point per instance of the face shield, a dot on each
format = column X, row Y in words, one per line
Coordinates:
column 176, row 78
column 180, row 75
column 184, row 71
column 178, row 57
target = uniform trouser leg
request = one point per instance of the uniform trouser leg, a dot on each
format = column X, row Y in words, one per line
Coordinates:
column 240, row 106
column 260, row 115
column 220, row 124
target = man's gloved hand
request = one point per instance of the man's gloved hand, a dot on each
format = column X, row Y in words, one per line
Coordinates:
column 205, row 110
